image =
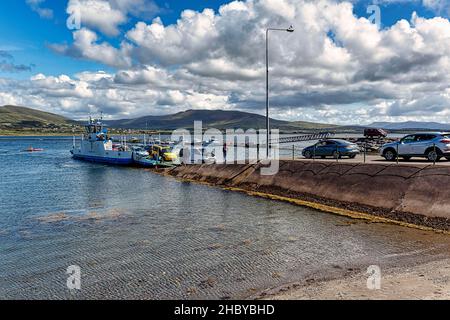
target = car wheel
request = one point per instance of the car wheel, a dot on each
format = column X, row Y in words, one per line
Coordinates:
column 308, row 155
column 322, row 157
column 389, row 155
column 353, row 156
column 433, row 155
column 448, row 158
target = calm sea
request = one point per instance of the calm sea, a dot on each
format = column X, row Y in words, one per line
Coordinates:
column 138, row 235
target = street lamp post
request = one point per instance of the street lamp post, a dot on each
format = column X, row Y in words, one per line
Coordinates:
column 290, row 29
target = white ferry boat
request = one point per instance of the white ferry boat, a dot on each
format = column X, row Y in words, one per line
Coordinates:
column 97, row 146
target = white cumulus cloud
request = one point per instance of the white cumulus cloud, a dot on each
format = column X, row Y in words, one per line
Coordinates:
column 107, row 16
column 336, row 67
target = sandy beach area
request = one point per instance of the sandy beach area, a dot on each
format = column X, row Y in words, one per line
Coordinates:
column 429, row 281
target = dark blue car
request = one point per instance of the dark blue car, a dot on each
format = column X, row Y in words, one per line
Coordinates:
column 335, row 148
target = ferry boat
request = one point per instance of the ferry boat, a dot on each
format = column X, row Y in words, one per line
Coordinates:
column 97, row 146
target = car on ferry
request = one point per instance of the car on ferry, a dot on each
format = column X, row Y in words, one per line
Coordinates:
column 163, row 152
column 429, row 145
column 336, row 148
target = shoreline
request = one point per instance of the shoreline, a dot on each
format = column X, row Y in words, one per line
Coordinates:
column 30, row 134
column 428, row 281
column 424, row 278
column 347, row 210
column 324, row 193
column 322, row 205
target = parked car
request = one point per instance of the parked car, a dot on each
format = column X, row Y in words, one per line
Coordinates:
column 373, row 132
column 430, row 145
column 335, row 148
column 196, row 155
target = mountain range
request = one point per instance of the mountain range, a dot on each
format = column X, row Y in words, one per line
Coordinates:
column 211, row 119
column 12, row 117
column 15, row 117
column 411, row 125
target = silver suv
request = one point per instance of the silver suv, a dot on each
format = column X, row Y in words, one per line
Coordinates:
column 430, row 145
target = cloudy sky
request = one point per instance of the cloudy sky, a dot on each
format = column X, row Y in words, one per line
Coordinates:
column 130, row 58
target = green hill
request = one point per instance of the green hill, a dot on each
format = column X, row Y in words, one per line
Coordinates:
column 21, row 117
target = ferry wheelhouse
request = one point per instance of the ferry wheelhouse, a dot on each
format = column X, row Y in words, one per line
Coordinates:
column 97, row 146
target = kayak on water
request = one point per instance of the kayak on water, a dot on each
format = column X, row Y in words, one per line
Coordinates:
column 31, row 149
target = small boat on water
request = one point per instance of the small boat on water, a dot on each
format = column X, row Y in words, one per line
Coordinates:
column 134, row 140
column 31, row 149
column 97, row 146
column 143, row 159
column 146, row 161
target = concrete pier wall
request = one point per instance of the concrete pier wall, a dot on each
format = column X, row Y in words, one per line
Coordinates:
column 411, row 193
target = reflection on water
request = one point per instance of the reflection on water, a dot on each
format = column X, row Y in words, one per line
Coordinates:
column 139, row 235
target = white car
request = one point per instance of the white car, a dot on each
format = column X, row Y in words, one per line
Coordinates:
column 196, row 156
column 430, row 145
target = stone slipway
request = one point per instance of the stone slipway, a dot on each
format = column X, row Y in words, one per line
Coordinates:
column 409, row 194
